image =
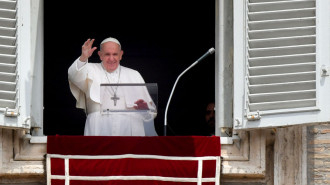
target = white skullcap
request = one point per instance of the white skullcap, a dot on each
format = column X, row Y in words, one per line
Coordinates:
column 110, row 39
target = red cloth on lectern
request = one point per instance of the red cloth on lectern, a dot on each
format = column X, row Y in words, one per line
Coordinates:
column 188, row 146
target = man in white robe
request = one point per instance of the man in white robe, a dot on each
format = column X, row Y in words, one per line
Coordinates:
column 85, row 80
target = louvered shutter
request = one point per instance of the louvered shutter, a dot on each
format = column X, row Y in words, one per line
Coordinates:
column 280, row 62
column 14, row 111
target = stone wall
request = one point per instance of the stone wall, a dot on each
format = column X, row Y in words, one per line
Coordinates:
column 318, row 154
column 293, row 155
column 20, row 161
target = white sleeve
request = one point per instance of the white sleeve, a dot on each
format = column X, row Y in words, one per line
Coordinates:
column 81, row 64
column 77, row 75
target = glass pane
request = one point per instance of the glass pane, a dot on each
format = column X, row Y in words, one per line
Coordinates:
column 129, row 98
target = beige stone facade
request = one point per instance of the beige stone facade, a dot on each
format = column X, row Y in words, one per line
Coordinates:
column 296, row 155
column 21, row 161
column 318, row 154
column 292, row 155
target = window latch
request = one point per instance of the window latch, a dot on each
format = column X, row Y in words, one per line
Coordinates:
column 11, row 112
column 253, row 116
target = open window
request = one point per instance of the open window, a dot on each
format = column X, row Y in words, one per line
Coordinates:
column 281, row 63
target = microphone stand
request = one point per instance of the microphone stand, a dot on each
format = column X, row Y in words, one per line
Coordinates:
column 209, row 52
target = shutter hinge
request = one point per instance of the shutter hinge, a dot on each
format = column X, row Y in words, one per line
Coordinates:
column 324, row 71
column 238, row 123
column 252, row 116
column 11, row 112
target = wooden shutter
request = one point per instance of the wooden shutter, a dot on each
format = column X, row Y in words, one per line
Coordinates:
column 281, row 55
column 8, row 62
column 279, row 62
column 15, row 64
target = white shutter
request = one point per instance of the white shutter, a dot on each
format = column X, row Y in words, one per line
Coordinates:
column 280, row 51
column 14, row 63
column 8, row 75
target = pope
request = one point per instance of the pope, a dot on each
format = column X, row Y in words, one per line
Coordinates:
column 85, row 81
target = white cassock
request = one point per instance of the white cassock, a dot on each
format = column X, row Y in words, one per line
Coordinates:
column 85, row 80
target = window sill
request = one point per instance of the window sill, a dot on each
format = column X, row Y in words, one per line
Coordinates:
column 43, row 140
column 229, row 140
column 38, row 140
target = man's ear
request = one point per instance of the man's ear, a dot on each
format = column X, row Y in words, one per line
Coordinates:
column 121, row 54
column 100, row 54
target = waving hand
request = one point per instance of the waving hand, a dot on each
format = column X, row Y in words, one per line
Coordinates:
column 87, row 50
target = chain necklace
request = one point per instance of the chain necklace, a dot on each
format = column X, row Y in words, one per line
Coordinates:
column 115, row 97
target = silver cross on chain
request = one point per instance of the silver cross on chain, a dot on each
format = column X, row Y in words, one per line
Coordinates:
column 115, row 98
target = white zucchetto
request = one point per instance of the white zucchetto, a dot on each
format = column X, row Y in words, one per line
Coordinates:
column 110, row 39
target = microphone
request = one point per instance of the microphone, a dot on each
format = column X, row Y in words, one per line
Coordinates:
column 209, row 52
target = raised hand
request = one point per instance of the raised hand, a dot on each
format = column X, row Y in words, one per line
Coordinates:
column 87, row 50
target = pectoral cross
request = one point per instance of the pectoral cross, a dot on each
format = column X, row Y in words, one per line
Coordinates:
column 115, row 98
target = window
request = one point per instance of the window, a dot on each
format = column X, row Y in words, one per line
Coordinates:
column 281, row 62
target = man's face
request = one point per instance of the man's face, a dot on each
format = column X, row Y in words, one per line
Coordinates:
column 110, row 54
column 209, row 115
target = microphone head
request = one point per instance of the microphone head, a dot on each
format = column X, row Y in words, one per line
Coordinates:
column 211, row 50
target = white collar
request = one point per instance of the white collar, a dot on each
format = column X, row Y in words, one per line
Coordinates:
column 116, row 71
